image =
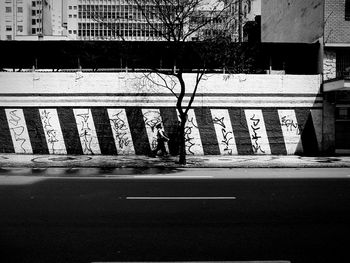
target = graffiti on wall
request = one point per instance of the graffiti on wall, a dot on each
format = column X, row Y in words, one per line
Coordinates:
column 151, row 118
column 291, row 130
column 18, row 131
column 224, row 133
column 286, row 125
column 87, row 132
column 121, row 131
column 52, row 131
column 290, row 124
column 255, row 136
column 193, row 142
column 257, row 131
column 227, row 136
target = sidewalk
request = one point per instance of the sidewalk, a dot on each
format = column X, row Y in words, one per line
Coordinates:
column 206, row 161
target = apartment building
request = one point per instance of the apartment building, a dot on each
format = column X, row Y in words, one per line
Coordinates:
column 123, row 20
column 22, row 18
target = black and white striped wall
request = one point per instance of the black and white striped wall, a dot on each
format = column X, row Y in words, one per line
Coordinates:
column 243, row 114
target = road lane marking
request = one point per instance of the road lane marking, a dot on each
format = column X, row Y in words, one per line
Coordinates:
column 181, row 197
column 173, row 176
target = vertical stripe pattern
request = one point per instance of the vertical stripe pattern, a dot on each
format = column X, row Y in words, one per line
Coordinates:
column 274, row 132
column 69, row 130
column 192, row 136
column 87, row 131
column 19, row 132
column 138, row 131
column 291, row 131
column 6, row 145
column 151, row 118
column 257, row 131
column 224, row 132
column 207, row 131
column 308, row 135
column 171, row 126
column 240, row 131
column 121, row 131
column 53, row 132
column 132, row 130
column 104, row 131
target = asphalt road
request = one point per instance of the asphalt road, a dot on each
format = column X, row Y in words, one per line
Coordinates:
column 202, row 217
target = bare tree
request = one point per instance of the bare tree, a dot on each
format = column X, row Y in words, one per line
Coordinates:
column 178, row 21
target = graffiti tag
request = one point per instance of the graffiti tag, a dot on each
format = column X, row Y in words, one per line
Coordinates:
column 120, row 129
column 227, row 136
column 255, row 136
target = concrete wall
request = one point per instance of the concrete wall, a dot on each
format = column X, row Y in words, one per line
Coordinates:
column 110, row 113
column 297, row 21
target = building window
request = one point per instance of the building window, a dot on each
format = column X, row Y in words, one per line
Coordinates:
column 8, row 9
column 70, row 7
column 8, row 37
column 70, row 31
column 19, row 9
column 347, row 10
column 20, row 28
column 33, row 22
column 33, row 31
column 8, row 28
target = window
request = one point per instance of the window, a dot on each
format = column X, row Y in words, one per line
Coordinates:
column 8, row 28
column 70, row 31
column 8, row 37
column 8, row 9
column 347, row 10
column 33, row 22
column 70, row 16
column 33, row 31
column 19, row 9
column 70, row 7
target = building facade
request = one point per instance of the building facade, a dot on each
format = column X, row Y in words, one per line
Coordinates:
column 336, row 69
column 22, row 18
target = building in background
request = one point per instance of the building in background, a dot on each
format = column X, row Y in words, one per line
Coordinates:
column 115, row 20
column 123, row 20
column 298, row 21
column 30, row 19
column 336, row 69
column 15, row 19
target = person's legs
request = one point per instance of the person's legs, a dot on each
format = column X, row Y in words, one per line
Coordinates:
column 162, row 148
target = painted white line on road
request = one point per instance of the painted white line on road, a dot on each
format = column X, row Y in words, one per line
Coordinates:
column 180, row 197
column 173, row 176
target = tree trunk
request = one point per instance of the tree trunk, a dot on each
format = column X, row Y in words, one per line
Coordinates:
column 182, row 140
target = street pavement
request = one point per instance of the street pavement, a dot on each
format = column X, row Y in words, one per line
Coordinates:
column 115, row 219
column 205, row 161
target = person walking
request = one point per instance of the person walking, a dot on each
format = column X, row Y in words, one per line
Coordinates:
column 161, row 139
